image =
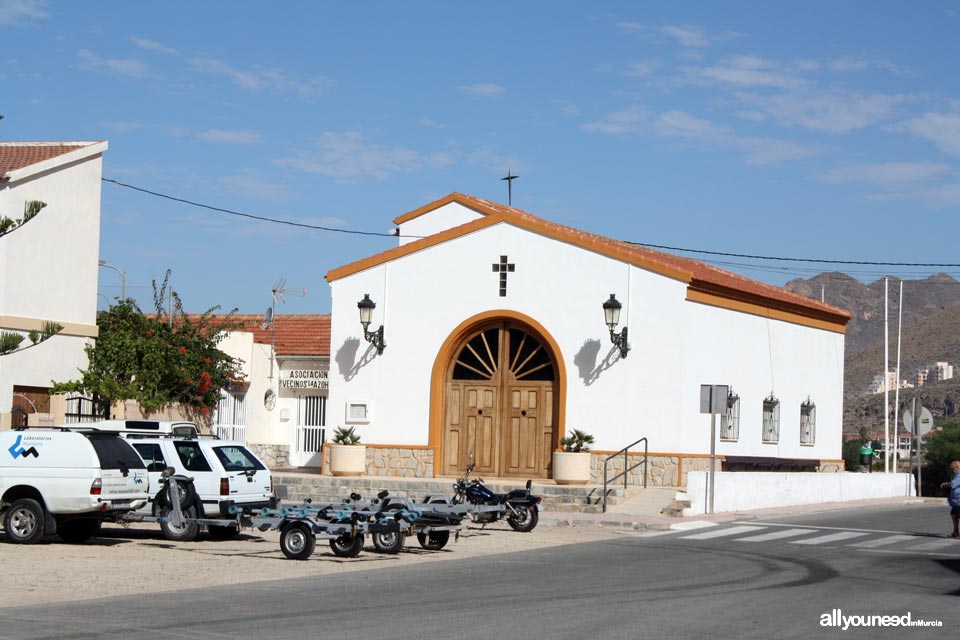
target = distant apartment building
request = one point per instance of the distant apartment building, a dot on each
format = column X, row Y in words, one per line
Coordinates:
column 938, row 372
column 877, row 385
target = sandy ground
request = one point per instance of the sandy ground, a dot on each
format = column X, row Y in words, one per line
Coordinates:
column 138, row 559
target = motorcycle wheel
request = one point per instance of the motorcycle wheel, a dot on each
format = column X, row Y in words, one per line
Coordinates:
column 434, row 541
column 525, row 519
column 297, row 541
column 345, row 546
column 388, row 542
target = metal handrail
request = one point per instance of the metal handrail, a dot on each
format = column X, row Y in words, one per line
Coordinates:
column 626, row 469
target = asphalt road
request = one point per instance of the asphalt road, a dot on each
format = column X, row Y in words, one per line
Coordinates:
column 776, row 579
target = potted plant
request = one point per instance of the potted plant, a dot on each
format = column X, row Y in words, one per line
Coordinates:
column 572, row 465
column 347, row 456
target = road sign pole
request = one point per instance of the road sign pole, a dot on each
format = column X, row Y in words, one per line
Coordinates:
column 713, row 455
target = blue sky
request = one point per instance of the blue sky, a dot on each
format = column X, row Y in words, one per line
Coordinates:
column 825, row 130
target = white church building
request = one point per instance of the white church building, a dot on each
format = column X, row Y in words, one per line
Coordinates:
column 494, row 345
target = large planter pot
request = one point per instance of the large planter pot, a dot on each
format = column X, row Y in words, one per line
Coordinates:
column 571, row 468
column 348, row 459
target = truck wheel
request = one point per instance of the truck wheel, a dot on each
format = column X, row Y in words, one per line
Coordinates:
column 184, row 533
column 434, row 541
column 77, row 531
column 345, row 546
column 222, row 532
column 24, row 521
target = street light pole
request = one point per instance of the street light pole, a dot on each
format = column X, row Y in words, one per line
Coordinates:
column 123, row 278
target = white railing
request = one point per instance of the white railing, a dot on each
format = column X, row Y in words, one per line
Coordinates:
column 236, row 432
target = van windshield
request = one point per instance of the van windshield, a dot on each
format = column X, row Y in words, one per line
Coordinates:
column 115, row 453
column 235, row 458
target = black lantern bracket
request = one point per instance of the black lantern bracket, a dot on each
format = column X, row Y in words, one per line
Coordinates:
column 366, row 307
column 611, row 315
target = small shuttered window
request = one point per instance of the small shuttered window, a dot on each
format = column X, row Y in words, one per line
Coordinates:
column 730, row 420
column 771, row 419
column 808, row 422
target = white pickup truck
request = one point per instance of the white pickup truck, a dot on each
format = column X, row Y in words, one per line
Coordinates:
column 66, row 482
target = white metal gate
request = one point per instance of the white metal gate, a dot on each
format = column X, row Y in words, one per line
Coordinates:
column 230, row 419
column 311, row 432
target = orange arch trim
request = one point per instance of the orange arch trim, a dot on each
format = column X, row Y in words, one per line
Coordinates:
column 446, row 354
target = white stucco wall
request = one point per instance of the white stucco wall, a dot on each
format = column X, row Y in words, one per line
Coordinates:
column 447, row 217
column 676, row 346
column 764, row 490
column 48, row 270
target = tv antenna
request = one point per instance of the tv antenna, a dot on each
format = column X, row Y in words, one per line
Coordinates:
column 278, row 293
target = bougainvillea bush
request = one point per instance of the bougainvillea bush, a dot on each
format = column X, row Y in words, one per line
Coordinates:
column 159, row 359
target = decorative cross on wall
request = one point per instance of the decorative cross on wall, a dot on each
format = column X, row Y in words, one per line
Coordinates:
column 503, row 268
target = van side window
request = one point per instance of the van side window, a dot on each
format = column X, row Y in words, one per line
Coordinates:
column 115, row 453
column 237, row 459
column 152, row 456
column 191, row 456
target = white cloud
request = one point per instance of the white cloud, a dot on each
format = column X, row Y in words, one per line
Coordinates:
column 347, row 155
column 222, row 136
column 753, row 116
column 627, row 120
column 251, row 183
column 127, row 67
column 680, row 124
column 851, row 64
column 433, row 124
column 493, row 160
column 641, row 68
column 746, row 71
column 483, row 90
column 18, row 12
column 687, row 35
column 152, row 45
column 942, row 129
column 946, row 195
column 887, row 175
column 828, row 111
column 259, row 78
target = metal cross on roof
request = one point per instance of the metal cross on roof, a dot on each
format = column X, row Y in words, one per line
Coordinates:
column 509, row 178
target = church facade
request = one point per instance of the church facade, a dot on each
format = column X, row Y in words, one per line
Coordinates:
column 495, row 345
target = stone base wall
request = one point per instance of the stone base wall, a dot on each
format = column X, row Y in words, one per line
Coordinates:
column 663, row 470
column 400, row 462
column 275, row 456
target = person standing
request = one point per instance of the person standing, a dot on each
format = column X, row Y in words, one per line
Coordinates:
column 954, row 498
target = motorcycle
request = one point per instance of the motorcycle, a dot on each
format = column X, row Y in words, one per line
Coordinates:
column 519, row 507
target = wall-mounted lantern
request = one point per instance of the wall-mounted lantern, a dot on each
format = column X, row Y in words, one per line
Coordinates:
column 611, row 315
column 375, row 338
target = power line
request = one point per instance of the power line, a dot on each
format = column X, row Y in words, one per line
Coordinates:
column 248, row 215
column 639, row 244
column 753, row 257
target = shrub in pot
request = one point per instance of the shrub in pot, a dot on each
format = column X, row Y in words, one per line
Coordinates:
column 572, row 465
column 347, row 456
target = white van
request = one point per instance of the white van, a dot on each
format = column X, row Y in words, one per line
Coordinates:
column 66, row 482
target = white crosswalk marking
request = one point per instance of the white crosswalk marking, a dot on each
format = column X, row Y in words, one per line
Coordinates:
column 939, row 543
column 774, row 535
column 881, row 542
column 833, row 537
column 732, row 531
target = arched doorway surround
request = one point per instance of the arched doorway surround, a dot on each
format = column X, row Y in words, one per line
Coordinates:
column 498, row 390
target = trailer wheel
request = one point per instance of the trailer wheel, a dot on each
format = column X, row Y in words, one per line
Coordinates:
column 24, row 521
column 434, row 541
column 345, row 546
column 187, row 532
column 297, row 541
column 525, row 519
column 222, row 532
column 388, row 542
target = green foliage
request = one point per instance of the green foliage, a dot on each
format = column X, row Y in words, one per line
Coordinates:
column 9, row 342
column 851, row 454
column 942, row 447
column 156, row 359
column 577, row 441
column 30, row 209
column 346, row 436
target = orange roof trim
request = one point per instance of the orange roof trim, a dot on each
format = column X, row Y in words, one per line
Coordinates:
column 707, row 284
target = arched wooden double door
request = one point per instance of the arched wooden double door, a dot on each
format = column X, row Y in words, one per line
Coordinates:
column 500, row 403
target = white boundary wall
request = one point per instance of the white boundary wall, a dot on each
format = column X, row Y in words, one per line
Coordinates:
column 736, row 491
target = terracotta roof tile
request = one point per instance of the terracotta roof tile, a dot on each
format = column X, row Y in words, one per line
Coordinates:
column 699, row 275
column 296, row 334
column 17, row 155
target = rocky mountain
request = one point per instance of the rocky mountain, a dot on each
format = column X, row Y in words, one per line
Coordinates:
column 931, row 333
